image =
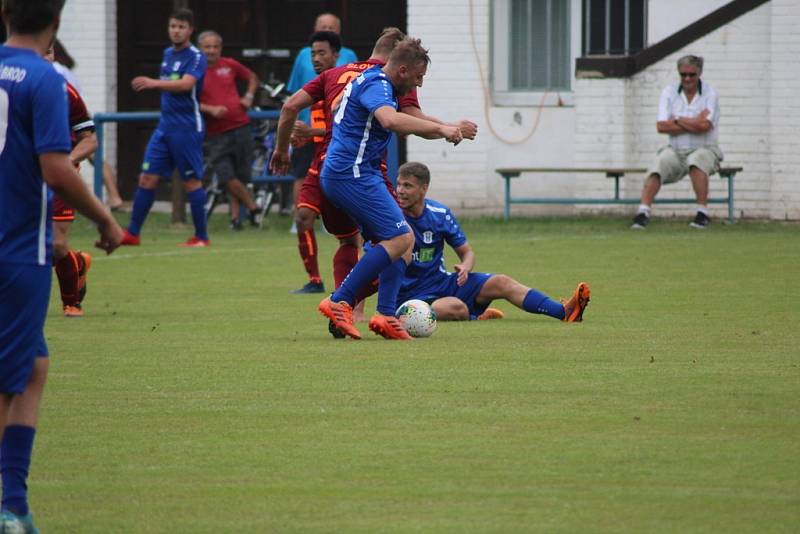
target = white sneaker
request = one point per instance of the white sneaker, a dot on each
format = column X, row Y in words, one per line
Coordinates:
column 293, row 229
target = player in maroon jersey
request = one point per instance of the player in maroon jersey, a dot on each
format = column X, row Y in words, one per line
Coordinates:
column 329, row 87
column 72, row 265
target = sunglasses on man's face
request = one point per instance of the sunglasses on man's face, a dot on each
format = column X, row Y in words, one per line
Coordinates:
column 687, row 74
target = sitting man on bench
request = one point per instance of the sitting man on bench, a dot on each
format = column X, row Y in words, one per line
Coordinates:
column 689, row 112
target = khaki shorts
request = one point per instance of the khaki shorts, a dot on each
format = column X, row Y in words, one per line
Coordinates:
column 672, row 165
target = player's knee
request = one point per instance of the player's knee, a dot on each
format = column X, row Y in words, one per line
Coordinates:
column 304, row 218
column 451, row 310
column 353, row 241
column 148, row 181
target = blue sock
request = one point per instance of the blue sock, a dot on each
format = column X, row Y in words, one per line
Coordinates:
column 15, row 459
column 197, row 201
column 390, row 280
column 537, row 302
column 366, row 270
column 142, row 202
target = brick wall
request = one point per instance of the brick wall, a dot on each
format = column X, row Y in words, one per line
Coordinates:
column 613, row 121
column 89, row 32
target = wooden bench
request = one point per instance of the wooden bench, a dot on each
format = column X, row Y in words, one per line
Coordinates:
column 725, row 173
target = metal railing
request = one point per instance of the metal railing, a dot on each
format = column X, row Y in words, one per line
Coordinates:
column 140, row 116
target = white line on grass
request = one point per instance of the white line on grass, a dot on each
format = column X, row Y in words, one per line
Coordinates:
column 173, row 253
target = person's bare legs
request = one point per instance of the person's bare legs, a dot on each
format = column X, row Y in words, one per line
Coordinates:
column 700, row 185
column 110, row 181
column 651, row 188
column 450, row 309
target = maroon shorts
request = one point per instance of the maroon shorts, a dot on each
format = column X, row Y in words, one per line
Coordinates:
column 62, row 211
column 336, row 221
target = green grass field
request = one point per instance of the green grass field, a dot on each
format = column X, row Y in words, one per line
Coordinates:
column 197, row 395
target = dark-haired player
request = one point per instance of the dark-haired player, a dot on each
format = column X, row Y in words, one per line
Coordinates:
column 462, row 294
column 72, row 265
column 178, row 139
column 34, row 154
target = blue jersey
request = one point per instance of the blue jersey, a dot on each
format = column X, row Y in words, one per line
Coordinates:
column 359, row 141
column 432, row 229
column 181, row 111
column 33, row 121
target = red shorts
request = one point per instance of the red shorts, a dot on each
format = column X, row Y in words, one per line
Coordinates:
column 62, row 211
column 336, row 221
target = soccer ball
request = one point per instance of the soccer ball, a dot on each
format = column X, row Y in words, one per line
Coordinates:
column 417, row 317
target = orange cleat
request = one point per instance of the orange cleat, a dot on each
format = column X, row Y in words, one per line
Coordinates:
column 73, row 311
column 341, row 315
column 388, row 326
column 87, row 263
column 128, row 239
column 195, row 242
column 491, row 313
column 574, row 307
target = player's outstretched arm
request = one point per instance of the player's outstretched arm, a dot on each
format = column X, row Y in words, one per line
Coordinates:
column 404, row 124
column 279, row 163
column 468, row 128
column 183, row 85
column 87, row 144
column 62, row 177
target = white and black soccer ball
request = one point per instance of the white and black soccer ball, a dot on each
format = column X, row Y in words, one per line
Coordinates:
column 417, row 317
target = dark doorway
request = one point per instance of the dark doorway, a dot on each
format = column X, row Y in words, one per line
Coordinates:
column 271, row 31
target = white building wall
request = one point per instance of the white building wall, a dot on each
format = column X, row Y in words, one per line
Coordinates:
column 89, row 33
column 612, row 121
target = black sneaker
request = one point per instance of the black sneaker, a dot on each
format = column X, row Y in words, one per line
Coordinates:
column 640, row 221
column 335, row 332
column 236, row 225
column 701, row 220
column 311, row 287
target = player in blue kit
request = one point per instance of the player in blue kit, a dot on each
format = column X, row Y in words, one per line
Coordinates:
column 178, row 139
column 34, row 154
column 351, row 179
column 462, row 294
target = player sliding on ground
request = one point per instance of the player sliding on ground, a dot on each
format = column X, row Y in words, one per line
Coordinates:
column 462, row 294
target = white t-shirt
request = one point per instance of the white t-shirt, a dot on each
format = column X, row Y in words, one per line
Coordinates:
column 673, row 104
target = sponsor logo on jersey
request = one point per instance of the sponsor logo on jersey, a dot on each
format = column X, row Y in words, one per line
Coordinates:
column 425, row 255
column 15, row 74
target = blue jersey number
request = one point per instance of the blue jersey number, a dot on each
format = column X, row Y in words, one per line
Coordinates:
column 3, row 118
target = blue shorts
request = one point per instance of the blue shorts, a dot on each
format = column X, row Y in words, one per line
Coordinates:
column 367, row 201
column 448, row 287
column 165, row 151
column 24, row 296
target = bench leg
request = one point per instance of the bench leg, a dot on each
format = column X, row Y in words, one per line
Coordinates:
column 731, row 210
column 507, row 208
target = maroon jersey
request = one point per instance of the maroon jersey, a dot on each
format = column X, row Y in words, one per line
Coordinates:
column 79, row 121
column 329, row 87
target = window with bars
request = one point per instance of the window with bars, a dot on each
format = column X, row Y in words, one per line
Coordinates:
column 531, row 46
column 614, row 27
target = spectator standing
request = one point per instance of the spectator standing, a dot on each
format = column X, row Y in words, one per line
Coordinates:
column 229, row 136
column 688, row 112
column 178, row 139
column 34, row 157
